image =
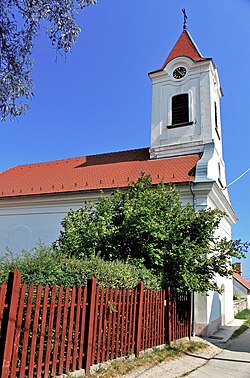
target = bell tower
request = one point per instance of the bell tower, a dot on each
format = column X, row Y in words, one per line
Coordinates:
column 186, row 95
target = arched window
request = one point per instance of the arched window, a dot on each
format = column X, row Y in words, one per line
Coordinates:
column 180, row 111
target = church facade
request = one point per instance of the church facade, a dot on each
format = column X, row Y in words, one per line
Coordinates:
column 185, row 149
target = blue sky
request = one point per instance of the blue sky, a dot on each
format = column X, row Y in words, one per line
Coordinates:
column 98, row 99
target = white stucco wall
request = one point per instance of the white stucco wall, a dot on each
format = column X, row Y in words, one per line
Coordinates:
column 24, row 222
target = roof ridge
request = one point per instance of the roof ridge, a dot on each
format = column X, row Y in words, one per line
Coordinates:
column 193, row 42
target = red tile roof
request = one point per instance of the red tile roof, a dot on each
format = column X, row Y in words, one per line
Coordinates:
column 95, row 172
column 242, row 280
column 183, row 47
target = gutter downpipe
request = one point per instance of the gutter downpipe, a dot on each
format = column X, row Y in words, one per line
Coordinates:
column 191, row 187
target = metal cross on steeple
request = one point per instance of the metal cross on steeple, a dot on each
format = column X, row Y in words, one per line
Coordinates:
column 185, row 19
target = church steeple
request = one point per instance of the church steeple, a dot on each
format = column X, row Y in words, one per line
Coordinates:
column 186, row 96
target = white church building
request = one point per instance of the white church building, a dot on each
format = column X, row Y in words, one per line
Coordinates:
column 185, row 149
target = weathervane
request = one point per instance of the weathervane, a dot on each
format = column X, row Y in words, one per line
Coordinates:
column 185, row 19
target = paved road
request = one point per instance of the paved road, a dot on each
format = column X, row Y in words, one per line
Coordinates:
column 233, row 361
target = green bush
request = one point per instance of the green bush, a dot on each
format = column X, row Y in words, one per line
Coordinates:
column 43, row 265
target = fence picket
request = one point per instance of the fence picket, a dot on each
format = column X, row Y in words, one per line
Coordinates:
column 174, row 327
column 82, row 329
column 57, row 330
column 126, row 323
column 91, row 292
column 168, row 317
column 34, row 331
column 114, row 325
column 134, row 322
column 118, row 327
column 158, row 322
column 100, row 326
column 146, row 320
column 95, row 325
column 50, row 330
column 123, row 320
column 140, row 288
column 64, row 327
column 70, row 328
column 18, row 331
column 109, row 316
column 163, row 298
column 42, row 332
column 153, row 317
column 104, row 338
column 77, row 323
column 150, row 319
column 26, row 332
column 129, row 349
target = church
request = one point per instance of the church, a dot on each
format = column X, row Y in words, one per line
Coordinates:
column 185, row 149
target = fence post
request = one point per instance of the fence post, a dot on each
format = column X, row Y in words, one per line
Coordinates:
column 89, row 327
column 169, row 316
column 190, row 312
column 8, row 322
column 138, row 320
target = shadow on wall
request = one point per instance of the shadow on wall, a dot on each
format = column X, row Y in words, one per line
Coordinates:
column 216, row 308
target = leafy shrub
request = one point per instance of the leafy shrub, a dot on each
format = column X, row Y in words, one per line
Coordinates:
column 150, row 227
column 43, row 265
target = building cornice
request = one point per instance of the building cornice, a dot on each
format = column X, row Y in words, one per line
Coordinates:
column 216, row 195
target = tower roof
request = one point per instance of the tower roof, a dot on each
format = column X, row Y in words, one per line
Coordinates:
column 185, row 46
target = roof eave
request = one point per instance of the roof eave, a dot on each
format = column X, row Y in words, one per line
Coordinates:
column 242, row 283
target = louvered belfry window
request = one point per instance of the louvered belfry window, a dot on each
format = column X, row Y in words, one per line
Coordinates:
column 180, row 113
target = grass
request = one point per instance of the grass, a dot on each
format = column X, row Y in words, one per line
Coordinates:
column 121, row 367
column 245, row 315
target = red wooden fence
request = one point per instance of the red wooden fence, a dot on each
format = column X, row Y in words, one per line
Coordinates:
column 45, row 331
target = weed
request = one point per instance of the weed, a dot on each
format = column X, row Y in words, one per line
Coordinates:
column 121, row 367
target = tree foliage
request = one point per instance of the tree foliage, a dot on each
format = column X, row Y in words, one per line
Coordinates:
column 149, row 227
column 20, row 21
